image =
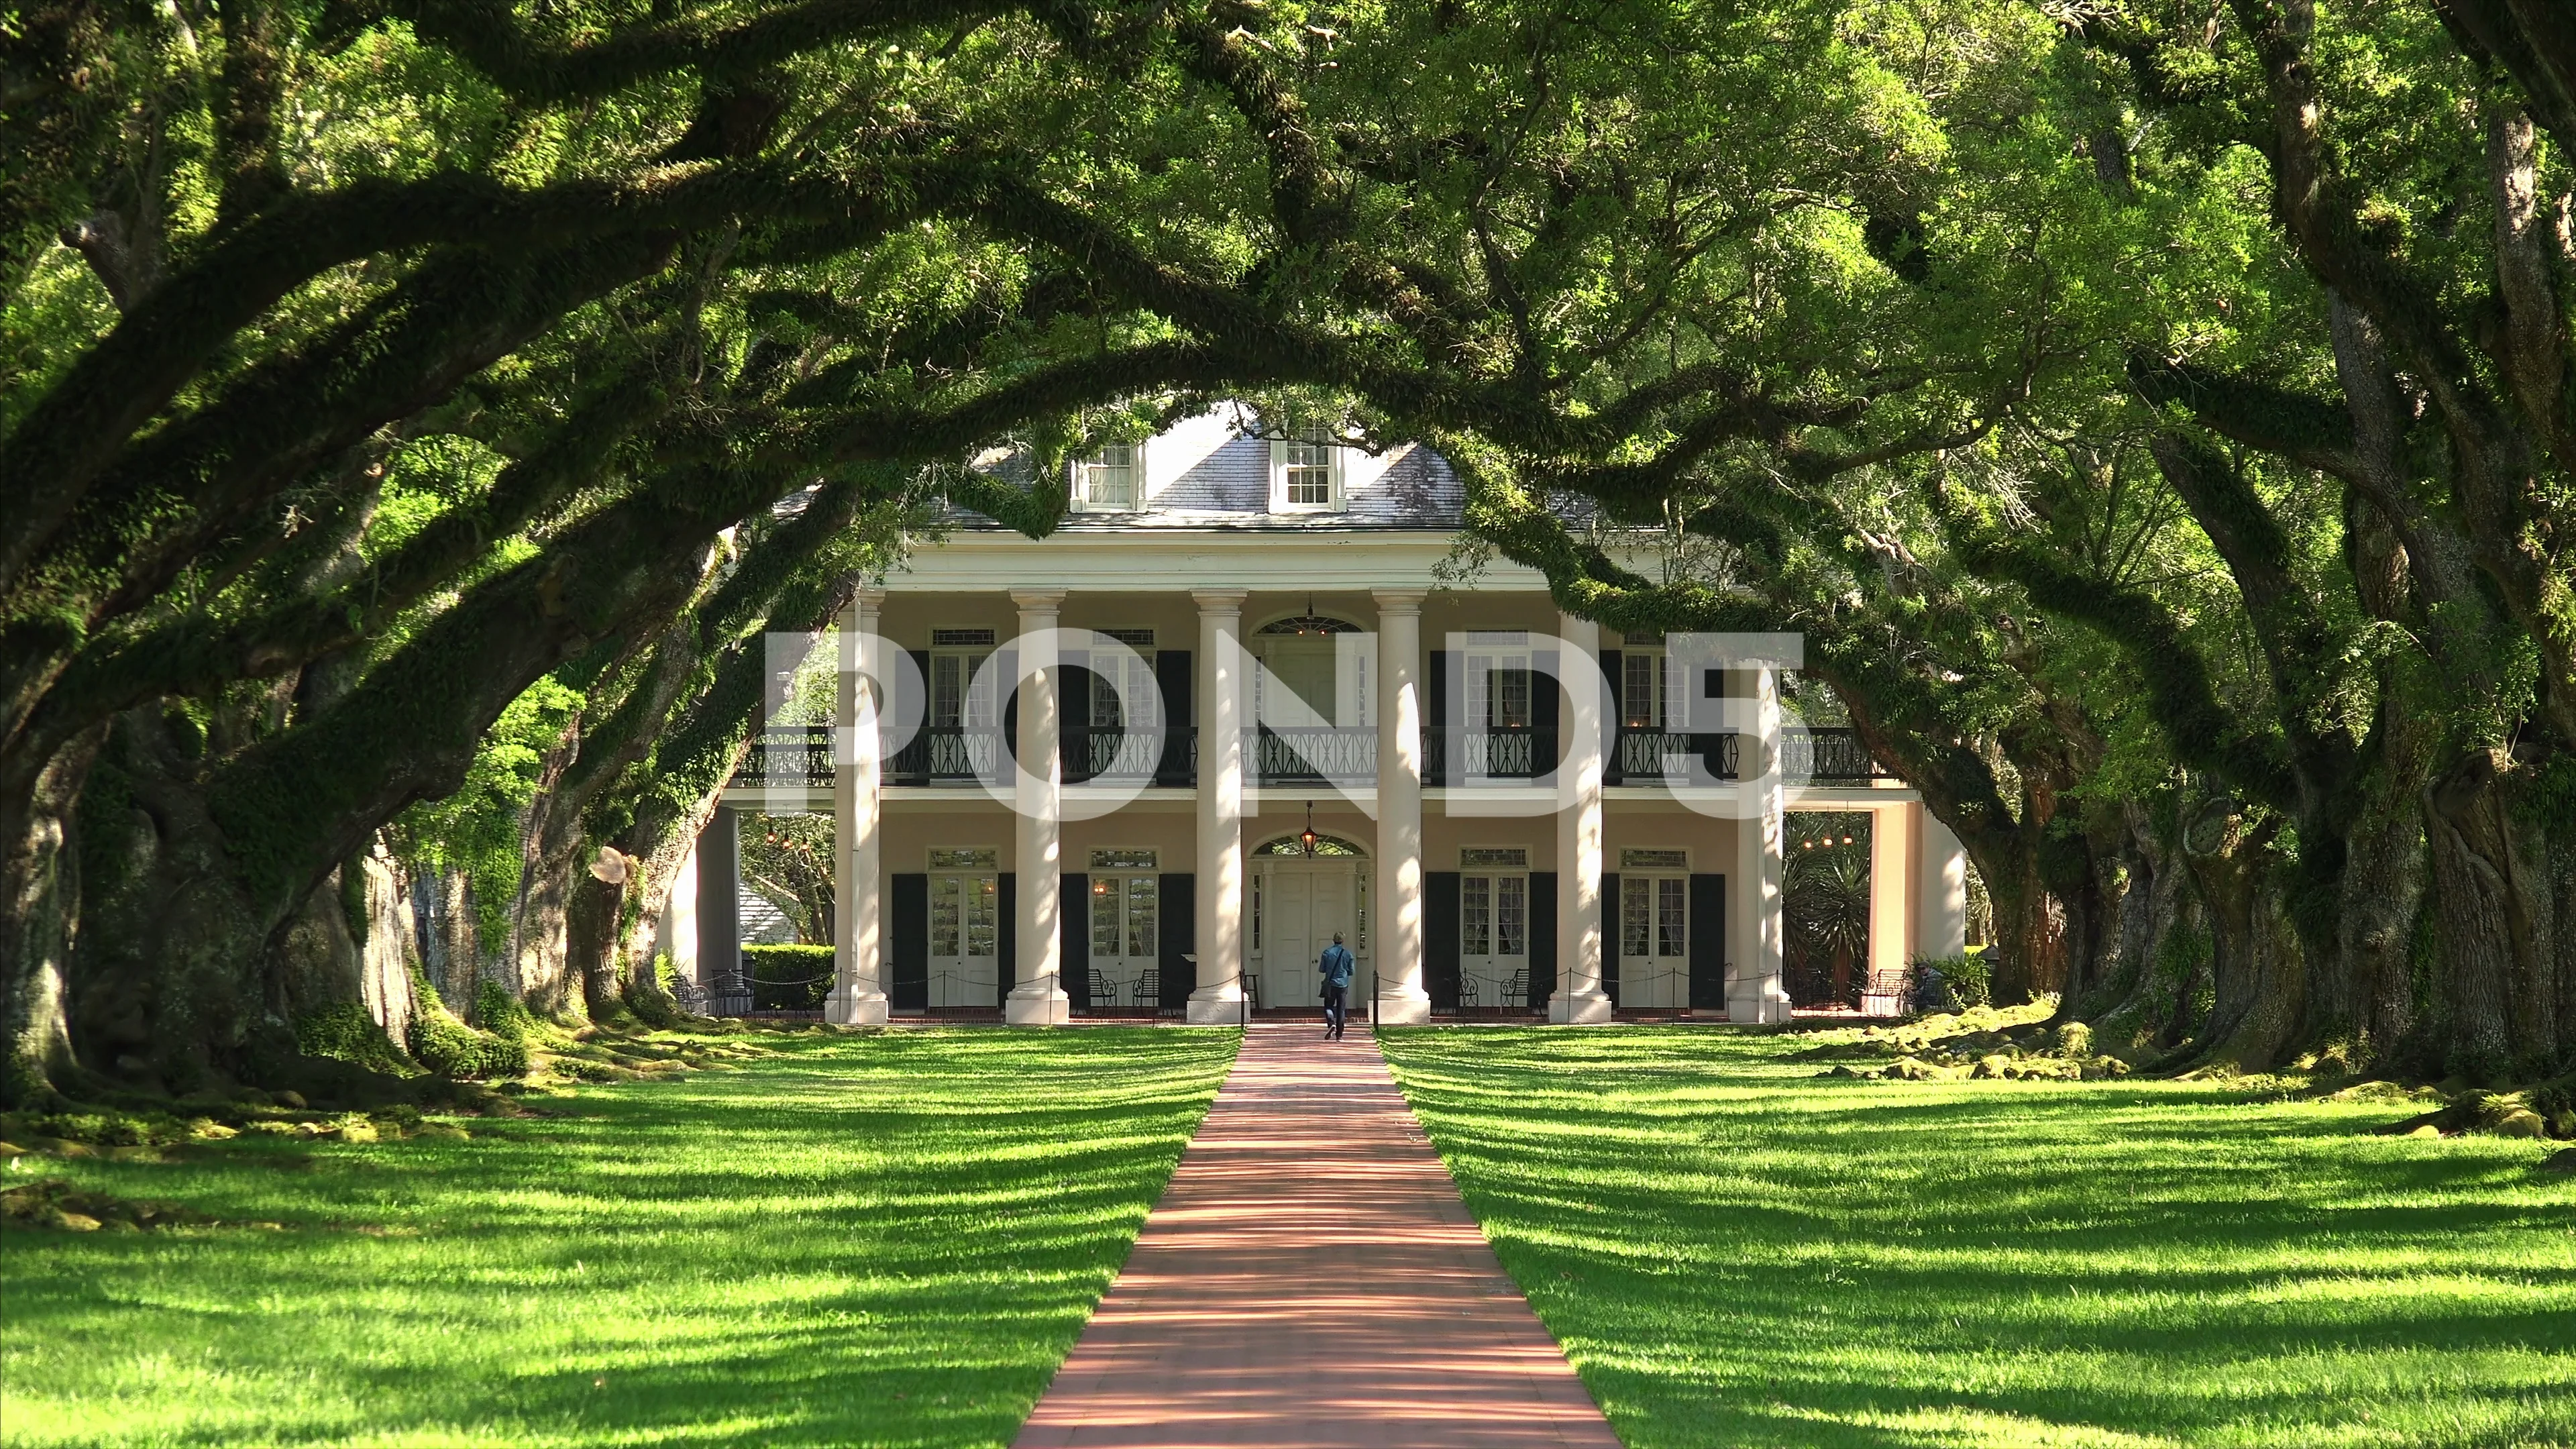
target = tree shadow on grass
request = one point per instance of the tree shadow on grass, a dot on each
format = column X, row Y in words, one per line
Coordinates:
column 884, row 1240
column 1737, row 1254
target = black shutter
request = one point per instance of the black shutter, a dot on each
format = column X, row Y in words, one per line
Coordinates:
column 1610, row 935
column 1177, row 937
column 910, row 693
column 1707, row 927
column 1006, row 935
column 1074, row 910
column 1005, row 665
column 1440, row 937
column 1074, row 683
column 1542, row 937
column 1172, row 673
column 1614, row 716
column 1435, row 717
column 1546, row 710
column 908, row 976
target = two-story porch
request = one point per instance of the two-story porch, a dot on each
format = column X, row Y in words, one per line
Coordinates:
column 1280, row 735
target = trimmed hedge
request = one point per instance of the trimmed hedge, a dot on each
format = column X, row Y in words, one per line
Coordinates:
column 788, row 978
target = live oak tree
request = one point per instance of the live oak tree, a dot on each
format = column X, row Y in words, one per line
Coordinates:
column 418, row 412
column 385, row 362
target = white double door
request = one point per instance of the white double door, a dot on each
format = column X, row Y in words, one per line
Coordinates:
column 965, row 940
column 1654, row 940
column 1126, row 940
column 1302, row 904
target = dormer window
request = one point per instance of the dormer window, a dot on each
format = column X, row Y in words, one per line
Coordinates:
column 1110, row 482
column 1306, row 471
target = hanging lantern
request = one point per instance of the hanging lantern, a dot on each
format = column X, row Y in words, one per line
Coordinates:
column 1306, row 837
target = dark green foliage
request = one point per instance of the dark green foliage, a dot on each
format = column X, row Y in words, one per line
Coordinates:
column 347, row 1033
column 452, row 1049
column 100, row 1129
column 503, row 1015
column 788, row 978
column 654, row 1006
column 459, row 1052
column 1969, row 979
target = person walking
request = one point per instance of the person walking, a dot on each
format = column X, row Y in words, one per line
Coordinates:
column 1337, row 967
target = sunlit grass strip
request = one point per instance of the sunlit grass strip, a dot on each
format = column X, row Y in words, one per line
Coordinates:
column 1735, row 1251
column 881, row 1240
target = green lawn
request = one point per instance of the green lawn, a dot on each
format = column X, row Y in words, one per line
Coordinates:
column 1735, row 1251
column 888, row 1240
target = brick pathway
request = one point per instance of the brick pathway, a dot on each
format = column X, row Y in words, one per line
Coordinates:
column 1297, row 1287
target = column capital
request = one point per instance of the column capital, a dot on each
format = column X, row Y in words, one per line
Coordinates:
column 1399, row 601
column 868, row 596
column 1038, row 600
column 1220, row 601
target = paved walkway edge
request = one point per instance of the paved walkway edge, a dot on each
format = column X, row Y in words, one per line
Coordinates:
column 1311, row 1277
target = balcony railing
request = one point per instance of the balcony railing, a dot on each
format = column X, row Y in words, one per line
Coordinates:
column 1643, row 753
column 799, row 755
column 1828, row 756
column 788, row 755
column 1312, row 755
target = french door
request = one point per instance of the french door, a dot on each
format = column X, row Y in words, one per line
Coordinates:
column 1654, row 939
column 1125, row 927
column 965, row 939
column 1493, row 936
column 963, row 714
column 1498, row 711
column 1126, row 701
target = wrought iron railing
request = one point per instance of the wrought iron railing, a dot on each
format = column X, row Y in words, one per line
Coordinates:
column 788, row 755
column 1311, row 754
column 794, row 755
column 1644, row 752
column 1831, row 754
column 1456, row 754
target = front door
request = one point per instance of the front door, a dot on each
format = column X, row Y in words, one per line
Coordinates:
column 1302, row 905
column 1124, row 925
column 1493, row 938
column 965, row 939
column 1654, row 956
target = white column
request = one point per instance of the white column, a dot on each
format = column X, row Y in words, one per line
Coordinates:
column 1941, row 927
column 1397, row 949
column 1218, row 885
column 1891, row 890
column 1755, row 990
column 1579, row 999
column 858, row 988
column 1039, row 999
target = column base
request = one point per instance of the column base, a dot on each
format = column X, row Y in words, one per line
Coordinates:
column 1402, row 1007
column 1215, row 1005
column 1760, row 1001
column 859, row 1008
column 1037, row 1006
column 1579, row 1008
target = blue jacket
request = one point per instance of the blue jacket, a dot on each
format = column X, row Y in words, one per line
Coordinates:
column 1338, row 965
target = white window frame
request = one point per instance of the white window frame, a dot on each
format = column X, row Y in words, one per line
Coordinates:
column 1648, row 661
column 1307, row 435
column 1081, row 501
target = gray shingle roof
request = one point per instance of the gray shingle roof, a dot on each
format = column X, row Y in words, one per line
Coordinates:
column 1207, row 472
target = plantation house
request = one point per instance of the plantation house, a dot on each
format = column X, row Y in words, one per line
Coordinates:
column 1291, row 715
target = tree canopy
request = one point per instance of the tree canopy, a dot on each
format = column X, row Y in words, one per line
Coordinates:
column 2155, row 416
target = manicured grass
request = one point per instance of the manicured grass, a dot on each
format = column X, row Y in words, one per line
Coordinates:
column 888, row 1240
column 1734, row 1251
